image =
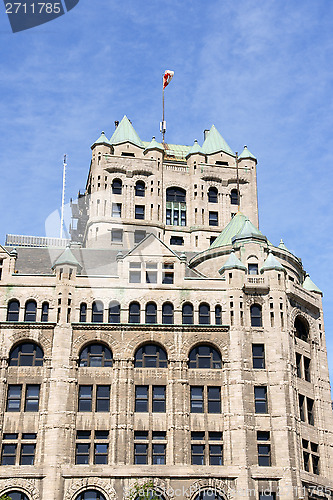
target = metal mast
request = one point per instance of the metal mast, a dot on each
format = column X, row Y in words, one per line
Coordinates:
column 63, row 195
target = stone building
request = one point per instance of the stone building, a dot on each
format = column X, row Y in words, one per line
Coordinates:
column 170, row 347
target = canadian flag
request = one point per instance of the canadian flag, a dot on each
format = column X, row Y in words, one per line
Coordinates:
column 168, row 75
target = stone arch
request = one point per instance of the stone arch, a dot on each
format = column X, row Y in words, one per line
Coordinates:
column 221, row 487
column 161, row 485
column 90, row 483
column 103, row 337
column 45, row 342
column 294, row 313
column 19, row 484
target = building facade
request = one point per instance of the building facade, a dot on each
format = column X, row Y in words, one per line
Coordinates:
column 171, row 350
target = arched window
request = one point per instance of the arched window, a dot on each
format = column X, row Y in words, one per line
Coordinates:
column 302, row 329
column 176, row 209
column 95, row 355
column 26, row 354
column 117, row 186
column 134, row 312
column 16, row 495
column 218, row 315
column 114, row 312
column 45, row 312
column 234, row 197
column 204, row 356
column 176, row 194
column 209, row 495
column 97, row 312
column 140, row 189
column 83, row 312
column 30, row 311
column 204, row 314
column 167, row 313
column 150, row 356
column 212, row 195
column 256, row 316
column 151, row 313
column 13, row 310
column 187, row 314
column 90, row 495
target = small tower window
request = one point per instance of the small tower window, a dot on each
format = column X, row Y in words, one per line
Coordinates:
column 256, row 315
column 234, row 197
column 83, row 313
column 134, row 312
column 212, row 195
column 30, row 311
column 151, row 313
column 167, row 313
column 140, row 189
column 204, row 314
column 187, row 314
column 13, row 310
column 114, row 312
column 97, row 312
column 117, row 186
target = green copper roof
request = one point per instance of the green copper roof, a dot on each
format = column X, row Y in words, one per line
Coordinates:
column 154, row 145
column 271, row 263
column 195, row 149
column 283, row 246
column 214, row 143
column 102, row 140
column 125, row 133
column 247, row 154
column 248, row 231
column 310, row 286
column 232, row 263
column 234, row 227
column 66, row 257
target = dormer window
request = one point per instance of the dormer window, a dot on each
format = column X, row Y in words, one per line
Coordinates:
column 253, row 268
column 117, row 186
column 131, row 155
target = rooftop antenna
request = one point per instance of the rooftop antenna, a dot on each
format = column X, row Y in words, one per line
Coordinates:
column 167, row 77
column 63, row 195
column 237, row 172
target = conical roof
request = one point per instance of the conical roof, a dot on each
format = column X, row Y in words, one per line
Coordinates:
column 102, row 140
column 248, row 231
column 231, row 229
column 232, row 263
column 214, row 143
column 195, row 149
column 283, row 246
column 125, row 132
column 310, row 286
column 271, row 263
column 67, row 257
column 154, row 145
column 246, row 154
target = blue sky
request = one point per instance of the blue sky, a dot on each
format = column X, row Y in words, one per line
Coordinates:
column 262, row 72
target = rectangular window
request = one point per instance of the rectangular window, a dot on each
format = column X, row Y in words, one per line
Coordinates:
column 299, row 365
column 140, row 453
column 159, row 398
column 310, row 457
column 27, row 454
column 8, row 454
column 177, row 240
column 214, row 399
column 32, row 397
column 151, row 276
column 116, row 210
column 14, row 398
column 103, row 398
column 215, row 454
column 264, row 448
column 139, row 211
column 197, row 402
column 117, row 235
column 135, row 276
column 258, row 356
column 260, row 399
column 101, row 453
column 141, row 398
column 301, row 401
column 310, row 405
column 213, row 218
column 307, row 374
column 82, row 453
column 85, row 398
column 252, row 268
column 139, row 236
column 198, row 454
column 158, row 453
column 167, row 278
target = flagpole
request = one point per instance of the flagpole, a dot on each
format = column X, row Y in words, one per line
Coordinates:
column 63, row 196
column 163, row 129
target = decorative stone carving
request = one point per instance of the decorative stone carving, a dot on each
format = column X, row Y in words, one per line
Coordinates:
column 19, row 484
column 90, row 483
